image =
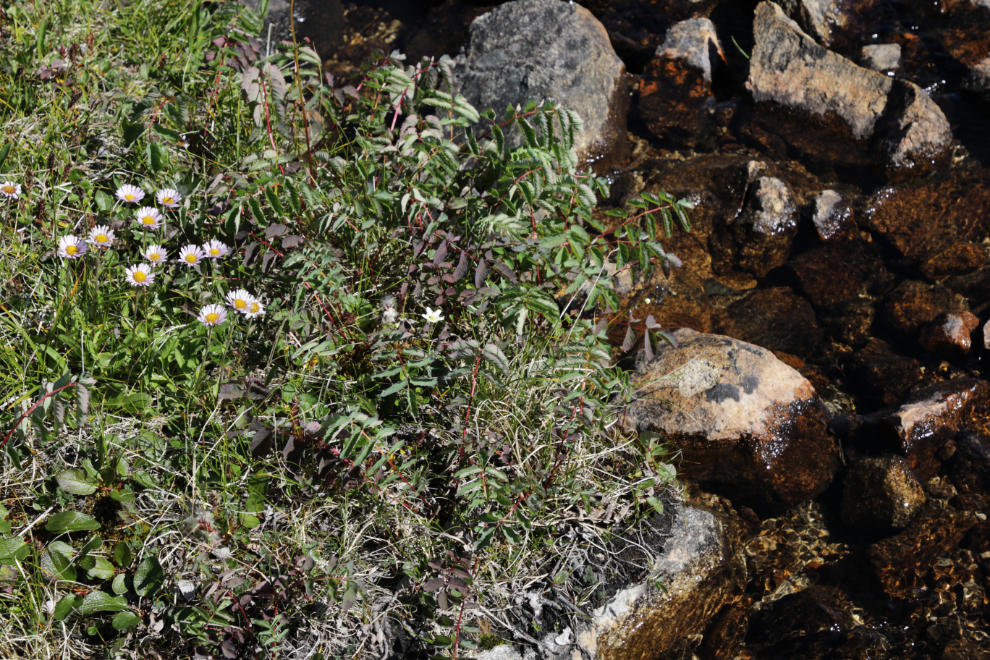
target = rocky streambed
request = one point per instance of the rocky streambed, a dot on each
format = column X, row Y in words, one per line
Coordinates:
column 829, row 390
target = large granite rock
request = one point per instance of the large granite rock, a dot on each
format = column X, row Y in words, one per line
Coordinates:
column 816, row 17
column 787, row 67
column 545, row 49
column 747, row 424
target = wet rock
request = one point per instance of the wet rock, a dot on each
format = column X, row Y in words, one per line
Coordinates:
column 948, row 334
column 848, row 322
column 541, row 49
column 324, row 22
column 877, row 371
column 825, row 276
column 913, row 304
column 760, row 238
column 678, row 301
column 925, row 421
column 958, row 259
column 776, row 319
column 974, row 286
column 881, row 492
column 745, row 422
column 881, row 57
column 816, row 609
column 969, row 466
column 832, row 215
column 816, row 17
column 964, row 649
column 676, row 87
column 977, row 81
column 700, row 570
column 921, row 220
column 902, row 562
column 788, row 68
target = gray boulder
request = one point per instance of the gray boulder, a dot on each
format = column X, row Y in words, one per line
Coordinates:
column 746, row 424
column 881, row 57
column 788, row 68
column 545, row 49
column 693, row 42
column 816, row 17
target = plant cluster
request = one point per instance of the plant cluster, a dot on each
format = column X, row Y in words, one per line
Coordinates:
column 425, row 399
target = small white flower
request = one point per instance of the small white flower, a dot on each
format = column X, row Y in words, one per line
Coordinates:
column 149, row 217
column 155, row 254
column 191, row 255
column 215, row 249
column 239, row 300
column 433, row 315
column 254, row 309
column 647, row 301
column 10, row 190
column 139, row 275
column 71, row 247
column 212, row 315
column 130, row 194
column 101, row 236
column 169, row 197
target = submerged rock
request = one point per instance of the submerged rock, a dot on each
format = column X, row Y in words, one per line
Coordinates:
column 877, row 371
column 676, row 88
column 912, row 305
column 977, row 81
column 949, row 334
column 745, row 422
column 776, row 319
column 958, row 259
column 817, row 609
column 543, row 49
column 881, row 492
column 760, row 238
column 788, row 68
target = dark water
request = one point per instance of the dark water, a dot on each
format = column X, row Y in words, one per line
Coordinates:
column 815, row 587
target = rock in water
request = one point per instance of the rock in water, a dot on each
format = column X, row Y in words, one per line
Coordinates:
column 977, row 81
column 545, row 49
column 881, row 492
column 787, row 67
column 747, row 424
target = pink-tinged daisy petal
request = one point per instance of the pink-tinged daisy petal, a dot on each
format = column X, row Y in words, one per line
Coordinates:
column 191, row 255
column 212, row 315
column 239, row 300
column 101, row 236
column 139, row 275
column 215, row 249
column 10, row 190
column 169, row 197
column 155, row 254
column 71, row 247
column 130, row 194
column 255, row 309
column 148, row 217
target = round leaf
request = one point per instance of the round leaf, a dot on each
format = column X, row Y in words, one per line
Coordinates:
column 98, row 601
column 122, row 554
column 75, row 481
column 125, row 620
column 71, row 521
column 148, row 577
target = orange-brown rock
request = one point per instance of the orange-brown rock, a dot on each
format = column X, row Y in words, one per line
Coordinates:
column 949, row 334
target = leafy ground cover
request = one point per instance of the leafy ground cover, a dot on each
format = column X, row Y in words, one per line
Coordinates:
column 293, row 366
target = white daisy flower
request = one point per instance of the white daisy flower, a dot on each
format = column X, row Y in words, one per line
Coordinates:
column 169, row 197
column 139, row 275
column 215, row 249
column 10, row 190
column 433, row 315
column 130, row 194
column 71, row 247
column 239, row 300
column 191, row 255
column 212, row 315
column 101, row 236
column 148, row 217
column 254, row 309
column 155, row 254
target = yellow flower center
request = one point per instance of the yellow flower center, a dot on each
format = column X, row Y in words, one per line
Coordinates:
column 102, row 238
column 129, row 197
column 139, row 276
column 154, row 256
column 254, row 308
column 71, row 249
column 239, row 303
column 10, row 190
column 167, row 200
column 148, row 220
column 214, row 252
column 191, row 258
column 212, row 317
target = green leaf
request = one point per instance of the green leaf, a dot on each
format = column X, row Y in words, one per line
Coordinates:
column 249, row 521
column 103, row 570
column 76, row 482
column 71, row 521
column 3, row 153
column 66, row 606
column 119, row 584
column 103, row 201
column 98, row 601
column 149, row 576
column 12, row 550
column 58, row 565
column 122, row 554
column 125, row 620
column 156, row 157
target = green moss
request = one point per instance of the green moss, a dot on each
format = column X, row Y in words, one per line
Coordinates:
column 489, row 641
